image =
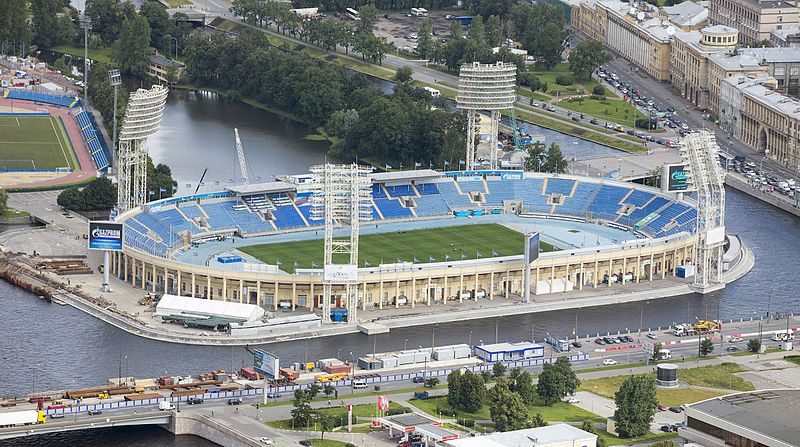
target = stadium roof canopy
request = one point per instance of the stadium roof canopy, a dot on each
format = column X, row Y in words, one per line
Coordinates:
column 381, row 177
column 183, row 305
column 261, row 188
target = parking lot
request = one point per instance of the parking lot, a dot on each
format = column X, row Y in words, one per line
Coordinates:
column 402, row 29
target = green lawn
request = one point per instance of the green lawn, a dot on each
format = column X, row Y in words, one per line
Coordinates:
column 560, row 411
column 34, row 142
column 562, row 69
column 793, row 358
column 649, row 437
column 359, row 411
column 447, row 243
column 607, row 386
column 327, row 443
column 716, row 376
column 178, row 3
column 526, row 92
column 614, row 110
column 96, row 54
column 11, row 212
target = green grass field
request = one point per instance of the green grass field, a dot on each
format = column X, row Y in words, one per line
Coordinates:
column 615, row 110
column 34, row 142
column 429, row 245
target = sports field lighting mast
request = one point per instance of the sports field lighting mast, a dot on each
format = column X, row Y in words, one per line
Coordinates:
column 86, row 24
column 701, row 155
column 490, row 87
column 245, row 178
column 341, row 193
column 142, row 119
column 115, row 79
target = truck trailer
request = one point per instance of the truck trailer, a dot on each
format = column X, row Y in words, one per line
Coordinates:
column 21, row 418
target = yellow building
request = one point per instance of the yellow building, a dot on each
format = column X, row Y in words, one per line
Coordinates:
column 727, row 64
column 754, row 19
column 159, row 67
column 689, row 60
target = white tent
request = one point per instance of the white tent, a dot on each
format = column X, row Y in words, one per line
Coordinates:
column 177, row 305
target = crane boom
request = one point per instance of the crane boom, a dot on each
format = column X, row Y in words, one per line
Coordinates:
column 242, row 162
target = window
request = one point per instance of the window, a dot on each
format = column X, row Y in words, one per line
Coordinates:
column 794, row 71
column 780, row 71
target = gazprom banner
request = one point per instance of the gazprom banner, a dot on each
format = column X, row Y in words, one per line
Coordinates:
column 105, row 236
column 503, row 174
column 677, row 178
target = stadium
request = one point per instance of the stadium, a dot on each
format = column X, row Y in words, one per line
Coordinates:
column 47, row 140
column 434, row 238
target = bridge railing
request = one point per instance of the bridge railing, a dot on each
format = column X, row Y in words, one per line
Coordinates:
column 250, row 392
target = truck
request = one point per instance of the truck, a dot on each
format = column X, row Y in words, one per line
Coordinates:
column 783, row 336
column 702, row 327
column 165, row 405
column 664, row 354
column 22, row 418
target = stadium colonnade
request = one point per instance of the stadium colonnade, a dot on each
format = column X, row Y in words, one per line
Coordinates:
column 661, row 228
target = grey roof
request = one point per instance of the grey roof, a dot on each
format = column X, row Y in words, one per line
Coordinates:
column 164, row 62
column 409, row 419
column 771, row 413
column 719, row 29
column 786, row 32
column 259, row 188
column 380, row 177
column 770, row 98
column 687, row 13
column 773, row 54
column 505, row 347
column 736, row 61
column 651, row 24
column 551, row 434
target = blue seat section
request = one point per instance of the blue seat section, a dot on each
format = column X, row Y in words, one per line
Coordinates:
column 191, row 210
column 559, row 186
column 94, row 140
column 286, row 216
column 471, row 186
column 218, row 216
column 576, row 205
column 451, row 195
column 607, row 202
column 136, row 226
column 529, row 191
column 245, row 220
column 305, row 210
column 99, row 154
column 400, row 190
column 377, row 191
column 640, row 213
column 134, row 238
column 638, row 198
column 83, row 120
column 499, row 191
column 88, row 133
column 258, row 202
column 173, row 219
column 666, row 216
column 154, row 225
column 427, row 188
column 62, row 101
column 392, row 209
column 431, row 205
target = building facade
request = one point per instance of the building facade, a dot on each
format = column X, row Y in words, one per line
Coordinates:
column 754, row 19
column 689, row 60
column 164, row 69
column 786, row 37
column 725, row 65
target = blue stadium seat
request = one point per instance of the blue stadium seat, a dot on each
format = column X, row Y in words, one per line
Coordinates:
column 392, row 209
column 400, row 190
column 62, row 101
column 559, row 186
column 499, row 190
column 638, row 198
column 640, row 213
column 451, row 195
column 471, row 186
column 607, row 202
column 377, row 191
column 431, row 205
column 529, row 191
column 427, row 188
column 576, row 205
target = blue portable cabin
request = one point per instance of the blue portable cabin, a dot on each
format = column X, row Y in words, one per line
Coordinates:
column 505, row 352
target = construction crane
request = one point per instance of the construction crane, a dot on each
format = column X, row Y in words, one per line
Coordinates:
column 200, row 183
column 242, row 162
column 515, row 131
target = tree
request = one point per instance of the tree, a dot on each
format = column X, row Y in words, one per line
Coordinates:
column 107, row 17
column 341, row 121
column 538, row 421
column 475, row 33
column 535, row 154
column 431, row 382
column 499, row 369
column 425, row 42
column 486, row 376
column 313, row 390
column 71, row 198
column 328, row 389
column 507, row 410
column 160, row 24
column 14, row 25
column 656, row 352
column 556, row 381
column 45, row 21
column 599, row 90
column 494, row 31
column 665, row 443
column 100, row 194
column 404, row 74
column 636, row 404
column 301, row 413
column 754, row 345
column 706, row 346
column 159, row 179
column 3, row 201
column 133, row 46
column 523, row 386
column 454, row 385
column 326, row 423
column 588, row 426
column 555, row 161
column 473, row 392
column 586, row 57
column 367, row 14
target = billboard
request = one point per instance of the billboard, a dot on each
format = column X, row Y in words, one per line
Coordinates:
column 266, row 363
column 531, row 247
column 341, row 273
column 105, row 236
column 677, row 178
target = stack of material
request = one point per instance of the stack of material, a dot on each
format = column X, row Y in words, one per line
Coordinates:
column 324, row 363
column 406, row 357
column 444, row 353
column 166, row 380
column 370, row 363
column 289, row 373
column 250, row 373
column 221, row 375
column 337, row 368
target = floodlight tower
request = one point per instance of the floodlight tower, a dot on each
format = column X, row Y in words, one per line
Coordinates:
column 142, row 119
column 489, row 87
column 115, row 79
column 86, row 24
column 243, row 172
column 701, row 155
column 341, row 193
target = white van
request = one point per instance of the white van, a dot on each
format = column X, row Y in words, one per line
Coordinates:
column 359, row 384
column 165, row 405
column 664, row 354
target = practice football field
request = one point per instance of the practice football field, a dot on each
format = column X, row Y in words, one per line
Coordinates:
column 419, row 246
column 34, row 142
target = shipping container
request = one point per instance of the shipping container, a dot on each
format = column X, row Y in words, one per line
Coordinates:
column 289, row 373
column 405, row 359
column 250, row 373
column 421, row 357
column 324, row 363
column 390, row 362
column 444, row 354
column 462, row 353
column 340, row 368
column 187, row 393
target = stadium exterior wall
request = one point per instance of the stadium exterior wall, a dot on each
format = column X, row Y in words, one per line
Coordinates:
column 643, row 260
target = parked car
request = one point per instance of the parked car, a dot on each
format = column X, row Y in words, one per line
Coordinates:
column 94, row 412
column 662, row 407
column 599, row 341
column 235, row 401
column 267, row 441
column 574, row 400
column 194, row 401
column 675, row 409
column 666, row 428
column 732, row 349
column 273, row 395
column 594, row 121
column 652, row 336
column 609, row 362
column 577, row 344
column 56, row 416
column 418, row 379
column 576, row 119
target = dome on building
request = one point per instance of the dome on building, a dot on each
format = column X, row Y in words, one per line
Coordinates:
column 719, row 36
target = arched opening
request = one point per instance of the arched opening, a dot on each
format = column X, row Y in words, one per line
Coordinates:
column 762, row 140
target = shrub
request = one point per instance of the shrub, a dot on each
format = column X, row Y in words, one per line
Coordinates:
column 564, row 80
column 599, row 90
column 598, row 97
column 445, row 411
column 393, row 411
column 468, row 423
column 377, row 388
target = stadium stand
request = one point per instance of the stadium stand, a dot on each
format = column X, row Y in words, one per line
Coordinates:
column 606, row 203
column 377, row 191
column 93, row 139
column 392, row 209
column 471, row 186
column 218, row 217
column 451, row 195
column 61, row 101
column 529, row 191
column 192, row 211
column 286, row 216
column 640, row 213
column 638, row 198
column 499, row 191
column 427, row 188
column 400, row 190
column 559, row 186
column 431, row 205
column 576, row 204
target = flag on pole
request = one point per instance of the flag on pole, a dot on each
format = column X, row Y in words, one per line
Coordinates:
column 313, row 265
column 388, row 167
column 446, row 163
column 478, row 254
column 431, row 258
column 278, row 262
column 462, row 162
column 446, row 257
column 430, row 165
column 416, row 260
column 151, row 192
column 417, row 164
column 162, row 189
column 494, row 253
column 366, row 263
column 463, row 255
column 383, row 403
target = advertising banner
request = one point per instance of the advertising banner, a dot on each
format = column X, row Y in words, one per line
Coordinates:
column 105, row 236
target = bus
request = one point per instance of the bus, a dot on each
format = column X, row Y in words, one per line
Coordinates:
column 352, row 14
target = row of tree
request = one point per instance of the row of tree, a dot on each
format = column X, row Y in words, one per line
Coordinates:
column 368, row 123
column 540, row 158
column 394, row 5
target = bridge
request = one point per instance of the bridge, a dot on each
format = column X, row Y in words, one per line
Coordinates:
column 84, row 422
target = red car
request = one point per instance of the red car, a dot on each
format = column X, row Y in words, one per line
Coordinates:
column 662, row 407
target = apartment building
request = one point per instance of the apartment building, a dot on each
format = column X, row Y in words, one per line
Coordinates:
column 755, row 19
column 689, row 59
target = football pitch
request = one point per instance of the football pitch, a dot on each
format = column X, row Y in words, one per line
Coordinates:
column 34, row 142
column 419, row 246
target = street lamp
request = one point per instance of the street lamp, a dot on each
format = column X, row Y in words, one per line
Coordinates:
column 405, row 345
column 176, row 47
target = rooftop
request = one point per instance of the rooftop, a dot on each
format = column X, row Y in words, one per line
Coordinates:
column 505, row 347
column 261, row 188
column 734, row 61
column 687, row 13
column 771, row 413
column 695, row 39
column 642, row 14
column 784, row 33
column 773, row 54
column 756, row 89
column 164, row 61
column 563, row 434
column 380, row 177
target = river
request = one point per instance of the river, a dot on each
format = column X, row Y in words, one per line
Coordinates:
column 47, row 346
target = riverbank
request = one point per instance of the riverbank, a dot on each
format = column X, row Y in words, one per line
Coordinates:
column 740, row 183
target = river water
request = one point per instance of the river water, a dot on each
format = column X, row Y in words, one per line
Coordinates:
column 47, row 346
